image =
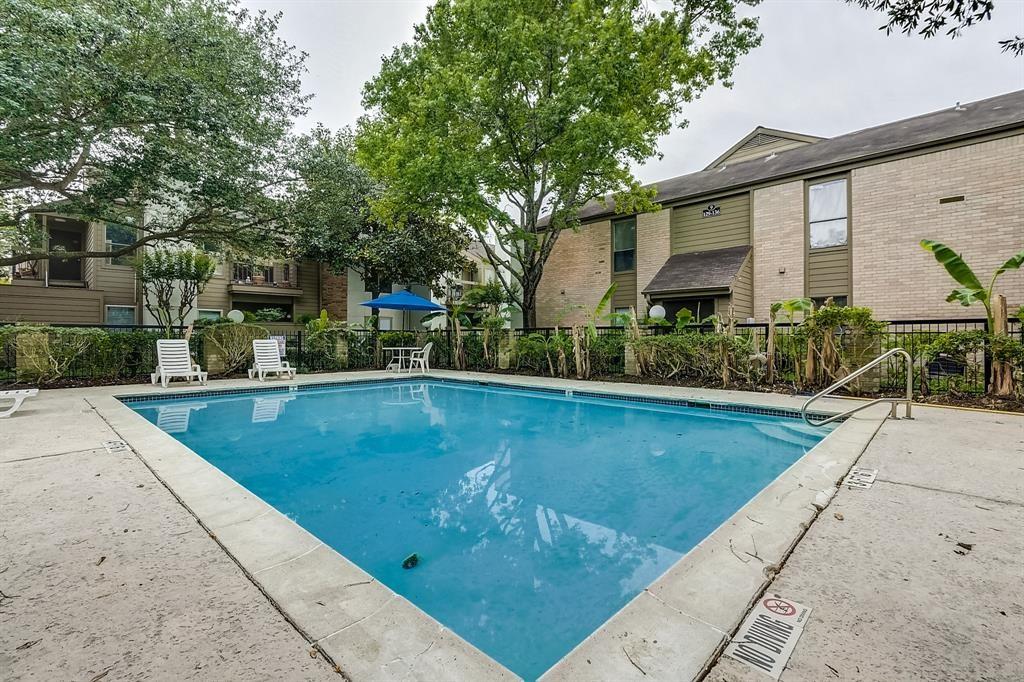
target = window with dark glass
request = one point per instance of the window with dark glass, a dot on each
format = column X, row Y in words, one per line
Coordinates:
column 827, row 213
column 118, row 237
column 624, row 245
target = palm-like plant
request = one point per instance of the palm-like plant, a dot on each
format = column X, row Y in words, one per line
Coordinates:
column 971, row 289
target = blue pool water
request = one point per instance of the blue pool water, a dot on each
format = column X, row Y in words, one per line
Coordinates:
column 535, row 516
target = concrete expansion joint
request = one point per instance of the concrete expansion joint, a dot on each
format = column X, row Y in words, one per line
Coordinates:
column 54, row 454
column 958, row 493
column 661, row 601
column 265, row 512
column 312, row 549
column 357, row 621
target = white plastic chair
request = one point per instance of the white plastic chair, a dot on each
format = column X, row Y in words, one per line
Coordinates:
column 267, row 360
column 174, row 360
column 421, row 357
column 18, row 397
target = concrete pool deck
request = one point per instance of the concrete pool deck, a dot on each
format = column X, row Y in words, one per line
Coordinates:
column 191, row 611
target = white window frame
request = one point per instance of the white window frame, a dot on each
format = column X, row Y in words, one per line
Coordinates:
column 134, row 309
column 200, row 311
column 106, row 247
column 845, row 217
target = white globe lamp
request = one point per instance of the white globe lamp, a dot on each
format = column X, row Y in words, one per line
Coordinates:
column 235, row 315
column 657, row 312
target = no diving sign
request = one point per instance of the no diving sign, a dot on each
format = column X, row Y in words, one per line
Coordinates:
column 768, row 635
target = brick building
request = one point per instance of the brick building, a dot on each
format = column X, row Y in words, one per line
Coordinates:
column 783, row 215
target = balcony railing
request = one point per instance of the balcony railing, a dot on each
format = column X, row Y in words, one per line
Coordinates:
column 284, row 275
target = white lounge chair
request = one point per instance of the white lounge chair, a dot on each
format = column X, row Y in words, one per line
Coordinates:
column 174, row 360
column 421, row 357
column 267, row 360
column 18, row 397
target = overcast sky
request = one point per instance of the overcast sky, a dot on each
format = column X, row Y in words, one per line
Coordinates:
column 823, row 69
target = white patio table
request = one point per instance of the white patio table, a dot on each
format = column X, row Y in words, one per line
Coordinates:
column 400, row 357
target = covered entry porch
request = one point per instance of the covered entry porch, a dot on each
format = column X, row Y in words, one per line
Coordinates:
column 715, row 282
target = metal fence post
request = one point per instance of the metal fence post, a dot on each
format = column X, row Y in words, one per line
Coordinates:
column 300, row 367
column 988, row 356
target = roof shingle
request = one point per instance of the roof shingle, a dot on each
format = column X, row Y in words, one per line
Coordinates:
column 698, row 271
column 967, row 120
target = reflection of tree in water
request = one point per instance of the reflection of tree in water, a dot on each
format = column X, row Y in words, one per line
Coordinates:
column 531, row 563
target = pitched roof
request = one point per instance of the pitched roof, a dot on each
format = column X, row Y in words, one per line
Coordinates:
column 1003, row 112
column 698, row 271
column 760, row 136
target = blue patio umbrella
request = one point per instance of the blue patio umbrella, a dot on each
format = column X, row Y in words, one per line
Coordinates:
column 403, row 300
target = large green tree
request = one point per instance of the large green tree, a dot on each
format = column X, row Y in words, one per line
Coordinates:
column 172, row 109
column 331, row 221
column 499, row 114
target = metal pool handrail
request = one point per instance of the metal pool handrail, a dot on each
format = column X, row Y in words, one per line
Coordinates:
column 850, row 377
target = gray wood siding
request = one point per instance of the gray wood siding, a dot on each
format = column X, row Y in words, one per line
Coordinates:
column 215, row 296
column 117, row 282
column 743, row 290
column 50, row 304
column 691, row 231
column 828, row 272
column 625, row 295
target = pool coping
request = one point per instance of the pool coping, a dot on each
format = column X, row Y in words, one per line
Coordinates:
column 675, row 628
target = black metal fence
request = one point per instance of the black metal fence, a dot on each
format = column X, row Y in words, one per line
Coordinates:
column 121, row 353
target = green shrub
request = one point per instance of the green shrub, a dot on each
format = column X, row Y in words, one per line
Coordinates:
column 529, row 352
column 703, row 356
column 841, row 339
column 550, row 354
column 233, row 342
column 959, row 346
column 46, row 354
column 395, row 339
column 607, row 354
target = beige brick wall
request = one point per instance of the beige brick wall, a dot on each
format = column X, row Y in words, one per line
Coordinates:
column 577, row 273
column 778, row 243
column 896, row 204
column 652, row 250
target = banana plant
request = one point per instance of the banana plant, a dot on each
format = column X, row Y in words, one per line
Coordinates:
column 457, row 314
column 971, row 290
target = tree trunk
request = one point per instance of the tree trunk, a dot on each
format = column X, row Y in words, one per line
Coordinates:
column 529, row 310
column 1002, row 371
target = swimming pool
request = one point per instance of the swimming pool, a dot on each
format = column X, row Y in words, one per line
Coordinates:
column 535, row 515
